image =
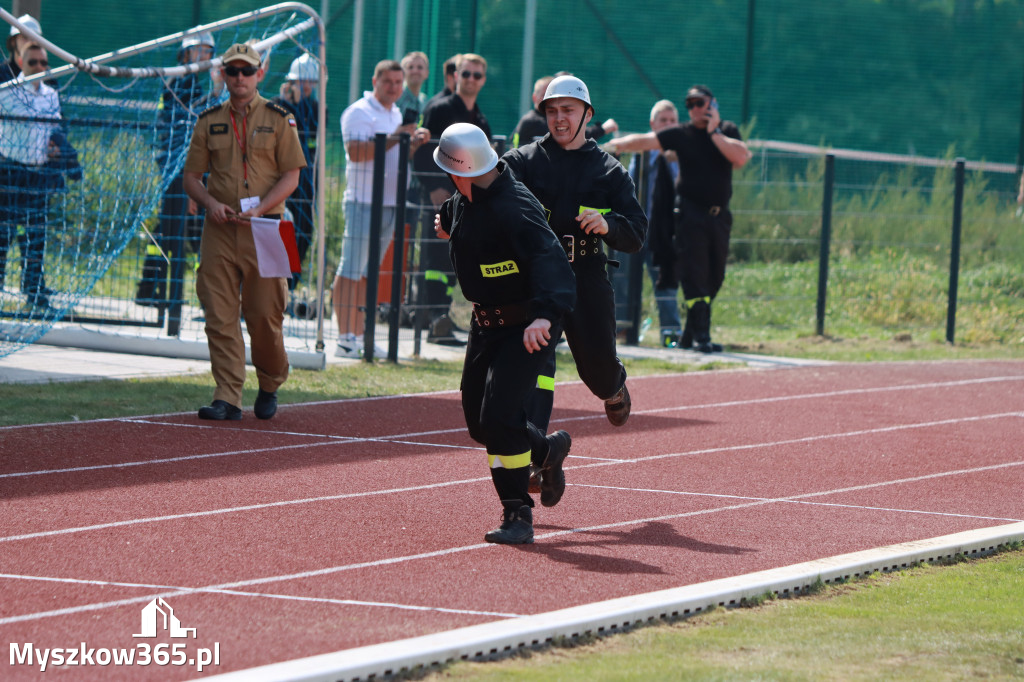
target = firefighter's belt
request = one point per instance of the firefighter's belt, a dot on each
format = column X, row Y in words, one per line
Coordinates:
column 493, row 317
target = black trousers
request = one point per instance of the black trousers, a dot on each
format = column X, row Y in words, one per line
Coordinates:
column 24, row 192
column 590, row 332
column 498, row 379
column 701, row 249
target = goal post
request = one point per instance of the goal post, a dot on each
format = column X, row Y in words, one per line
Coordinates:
column 122, row 116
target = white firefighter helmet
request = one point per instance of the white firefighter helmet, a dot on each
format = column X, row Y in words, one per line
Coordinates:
column 567, row 86
column 29, row 21
column 464, row 151
column 304, row 68
column 194, row 39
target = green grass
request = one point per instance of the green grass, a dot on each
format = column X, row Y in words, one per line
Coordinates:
column 925, row 623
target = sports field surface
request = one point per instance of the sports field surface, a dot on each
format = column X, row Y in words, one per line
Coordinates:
column 344, row 524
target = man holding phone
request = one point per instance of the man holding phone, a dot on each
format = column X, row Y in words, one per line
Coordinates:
column 708, row 149
column 360, row 122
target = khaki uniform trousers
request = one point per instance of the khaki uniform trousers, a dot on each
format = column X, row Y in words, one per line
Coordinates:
column 227, row 269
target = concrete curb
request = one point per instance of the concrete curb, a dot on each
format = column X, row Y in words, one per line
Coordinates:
column 493, row 640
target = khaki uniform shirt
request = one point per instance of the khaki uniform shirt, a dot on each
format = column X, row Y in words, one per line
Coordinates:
column 267, row 131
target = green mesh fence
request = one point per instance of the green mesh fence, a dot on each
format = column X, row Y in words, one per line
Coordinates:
column 902, row 76
column 925, row 79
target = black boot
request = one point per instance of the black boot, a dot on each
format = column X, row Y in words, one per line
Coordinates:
column 516, row 525
column 552, row 482
column 700, row 314
column 686, row 338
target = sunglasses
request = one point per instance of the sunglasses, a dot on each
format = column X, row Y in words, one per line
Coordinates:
column 244, row 70
column 695, row 103
column 477, row 75
column 38, row 62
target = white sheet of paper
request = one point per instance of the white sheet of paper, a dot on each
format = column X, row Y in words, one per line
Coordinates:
column 249, row 202
column 271, row 254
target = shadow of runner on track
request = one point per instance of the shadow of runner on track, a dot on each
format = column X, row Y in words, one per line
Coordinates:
column 573, row 548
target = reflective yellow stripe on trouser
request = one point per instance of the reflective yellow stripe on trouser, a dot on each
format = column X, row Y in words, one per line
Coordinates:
column 706, row 299
column 508, row 461
column 438, row 276
column 545, row 383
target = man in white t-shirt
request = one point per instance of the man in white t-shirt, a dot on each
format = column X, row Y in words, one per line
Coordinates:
column 26, row 179
column 360, row 122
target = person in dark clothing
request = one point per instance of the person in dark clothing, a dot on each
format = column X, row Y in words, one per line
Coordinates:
column 510, row 266
column 298, row 95
column 590, row 201
column 654, row 175
column 448, row 72
column 35, row 155
column 534, row 124
column 180, row 225
column 434, row 293
column 708, row 149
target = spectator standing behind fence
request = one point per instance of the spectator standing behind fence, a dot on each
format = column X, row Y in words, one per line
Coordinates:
column 249, row 148
column 449, row 78
column 34, row 156
column 180, row 222
column 590, row 200
column 360, row 123
column 435, row 298
column 298, row 95
column 415, row 67
column 16, row 42
column 708, row 149
column 513, row 270
column 659, row 176
column 534, row 125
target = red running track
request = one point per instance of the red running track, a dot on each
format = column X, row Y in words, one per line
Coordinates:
column 348, row 523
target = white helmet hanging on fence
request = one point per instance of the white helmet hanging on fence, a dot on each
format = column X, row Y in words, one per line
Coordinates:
column 304, row 68
column 463, row 150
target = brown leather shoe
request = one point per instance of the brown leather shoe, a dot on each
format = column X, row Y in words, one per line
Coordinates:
column 617, row 407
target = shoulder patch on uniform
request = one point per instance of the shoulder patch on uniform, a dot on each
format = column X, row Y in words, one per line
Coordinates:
column 209, row 110
column 274, row 106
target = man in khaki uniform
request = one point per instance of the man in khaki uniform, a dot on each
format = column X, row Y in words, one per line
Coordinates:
column 250, row 148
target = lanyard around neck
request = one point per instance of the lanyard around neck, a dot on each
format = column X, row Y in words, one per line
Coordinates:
column 242, row 144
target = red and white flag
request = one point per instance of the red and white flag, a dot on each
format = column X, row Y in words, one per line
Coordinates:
column 276, row 251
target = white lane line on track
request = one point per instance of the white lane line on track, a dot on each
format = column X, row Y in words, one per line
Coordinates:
column 330, row 570
column 180, row 590
column 649, row 458
column 796, row 499
column 336, row 440
column 402, row 437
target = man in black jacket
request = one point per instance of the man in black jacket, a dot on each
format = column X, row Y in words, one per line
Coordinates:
column 511, row 267
column 708, row 149
column 590, row 201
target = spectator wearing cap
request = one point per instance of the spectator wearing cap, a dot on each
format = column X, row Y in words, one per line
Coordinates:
column 16, row 43
column 708, row 150
column 249, row 147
